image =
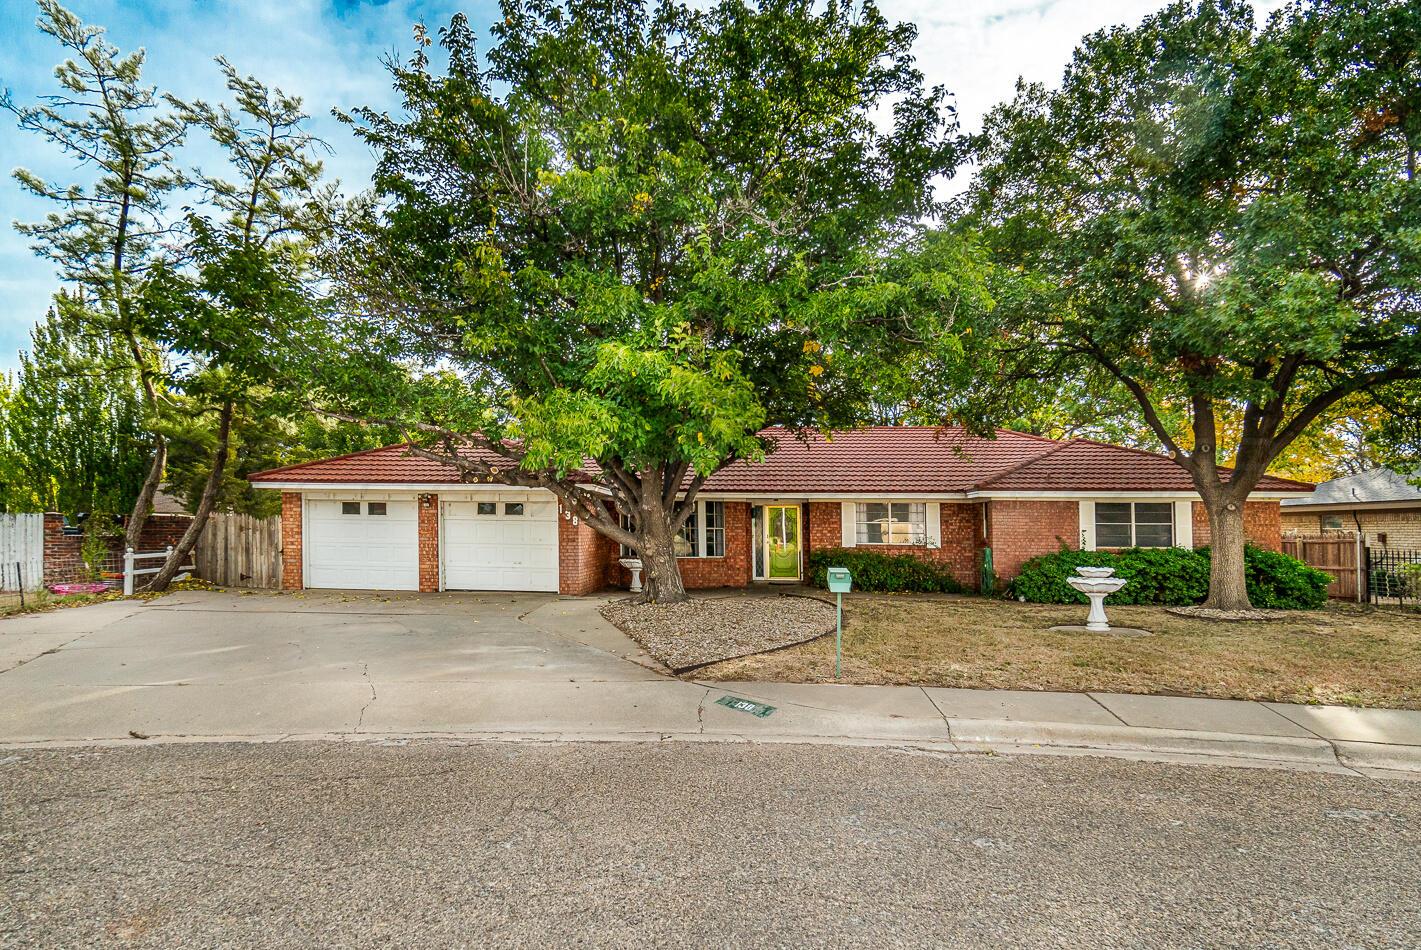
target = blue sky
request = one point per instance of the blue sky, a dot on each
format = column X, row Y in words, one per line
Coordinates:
column 329, row 51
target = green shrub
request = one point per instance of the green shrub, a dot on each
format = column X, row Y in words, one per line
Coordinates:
column 1043, row 579
column 1278, row 582
column 1173, row 577
column 883, row 573
column 94, row 549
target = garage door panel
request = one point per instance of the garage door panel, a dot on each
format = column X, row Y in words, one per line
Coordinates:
column 362, row 551
column 501, row 551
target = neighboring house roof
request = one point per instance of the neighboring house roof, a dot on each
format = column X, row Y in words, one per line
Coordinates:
column 882, row 459
column 1377, row 486
column 167, row 504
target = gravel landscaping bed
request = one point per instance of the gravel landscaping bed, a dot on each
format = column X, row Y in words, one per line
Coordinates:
column 709, row 629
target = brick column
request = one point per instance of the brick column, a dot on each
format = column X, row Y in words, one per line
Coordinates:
column 429, row 543
column 291, row 577
column 583, row 556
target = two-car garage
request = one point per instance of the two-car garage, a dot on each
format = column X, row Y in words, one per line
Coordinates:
column 491, row 540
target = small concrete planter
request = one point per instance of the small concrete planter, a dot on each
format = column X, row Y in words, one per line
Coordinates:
column 633, row 564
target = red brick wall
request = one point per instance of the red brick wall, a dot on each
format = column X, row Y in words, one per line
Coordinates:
column 427, row 508
column 582, row 557
column 961, row 527
column 291, row 576
column 63, row 563
column 1262, row 524
column 1021, row 529
column 732, row 570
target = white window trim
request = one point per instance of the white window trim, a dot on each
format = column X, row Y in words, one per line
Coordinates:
column 932, row 524
column 1183, row 522
column 1181, row 512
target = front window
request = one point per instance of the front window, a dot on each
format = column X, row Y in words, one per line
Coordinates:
column 703, row 535
column 687, row 538
column 891, row 523
column 1137, row 524
column 715, row 528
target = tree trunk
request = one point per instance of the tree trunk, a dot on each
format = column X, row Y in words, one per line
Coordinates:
column 1227, row 589
column 656, row 546
column 143, row 504
column 210, row 490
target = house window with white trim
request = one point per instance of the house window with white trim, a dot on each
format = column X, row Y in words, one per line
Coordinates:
column 714, row 544
column 891, row 523
column 691, row 540
column 1134, row 524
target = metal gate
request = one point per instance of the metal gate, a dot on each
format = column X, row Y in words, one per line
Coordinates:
column 1393, row 576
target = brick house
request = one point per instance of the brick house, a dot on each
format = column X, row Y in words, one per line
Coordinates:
column 1382, row 504
column 383, row 519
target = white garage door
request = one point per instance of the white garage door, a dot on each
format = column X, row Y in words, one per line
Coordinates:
column 362, row 545
column 509, row 542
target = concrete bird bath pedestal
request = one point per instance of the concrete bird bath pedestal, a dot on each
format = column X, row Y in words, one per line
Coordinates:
column 633, row 564
column 1097, row 583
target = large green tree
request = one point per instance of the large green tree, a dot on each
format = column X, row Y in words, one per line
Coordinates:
column 1224, row 221
column 637, row 235
column 72, row 433
column 241, row 303
column 106, row 232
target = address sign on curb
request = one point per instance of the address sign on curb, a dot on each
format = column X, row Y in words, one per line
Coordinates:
column 745, row 705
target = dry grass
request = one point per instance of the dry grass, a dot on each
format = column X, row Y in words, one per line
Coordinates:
column 1343, row 655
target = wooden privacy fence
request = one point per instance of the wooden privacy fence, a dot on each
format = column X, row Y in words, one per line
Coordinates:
column 1338, row 555
column 240, row 551
column 21, row 552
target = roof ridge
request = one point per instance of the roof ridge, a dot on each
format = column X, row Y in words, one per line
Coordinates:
column 333, row 458
column 1033, row 435
column 1058, row 445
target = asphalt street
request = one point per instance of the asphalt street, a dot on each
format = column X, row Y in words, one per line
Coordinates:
column 439, row 844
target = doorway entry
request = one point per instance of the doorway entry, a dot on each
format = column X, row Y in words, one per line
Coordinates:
column 778, row 540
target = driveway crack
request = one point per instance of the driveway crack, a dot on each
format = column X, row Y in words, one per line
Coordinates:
column 946, row 723
column 701, row 711
column 365, row 672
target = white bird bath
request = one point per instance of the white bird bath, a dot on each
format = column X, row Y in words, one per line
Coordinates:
column 633, row 564
column 1097, row 584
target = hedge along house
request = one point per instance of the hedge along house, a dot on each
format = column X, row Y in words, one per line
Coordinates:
column 385, row 519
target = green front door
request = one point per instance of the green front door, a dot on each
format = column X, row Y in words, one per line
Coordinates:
column 782, row 541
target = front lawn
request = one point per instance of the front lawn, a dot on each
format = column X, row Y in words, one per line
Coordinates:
column 1342, row 654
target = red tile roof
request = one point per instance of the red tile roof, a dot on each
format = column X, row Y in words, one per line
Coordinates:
column 391, row 464
column 1087, row 465
column 877, row 460
column 890, row 459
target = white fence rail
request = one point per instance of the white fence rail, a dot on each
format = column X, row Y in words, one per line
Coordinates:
column 22, row 551
column 131, row 557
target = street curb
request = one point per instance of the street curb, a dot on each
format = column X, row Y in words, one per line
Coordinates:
column 969, row 736
column 1137, row 739
column 1379, row 755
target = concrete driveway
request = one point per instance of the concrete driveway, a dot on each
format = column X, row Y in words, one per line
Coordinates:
column 266, row 664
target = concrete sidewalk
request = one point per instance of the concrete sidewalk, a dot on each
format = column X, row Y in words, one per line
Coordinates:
column 204, row 667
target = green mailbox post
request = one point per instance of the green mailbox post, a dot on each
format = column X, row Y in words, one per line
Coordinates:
column 840, row 583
